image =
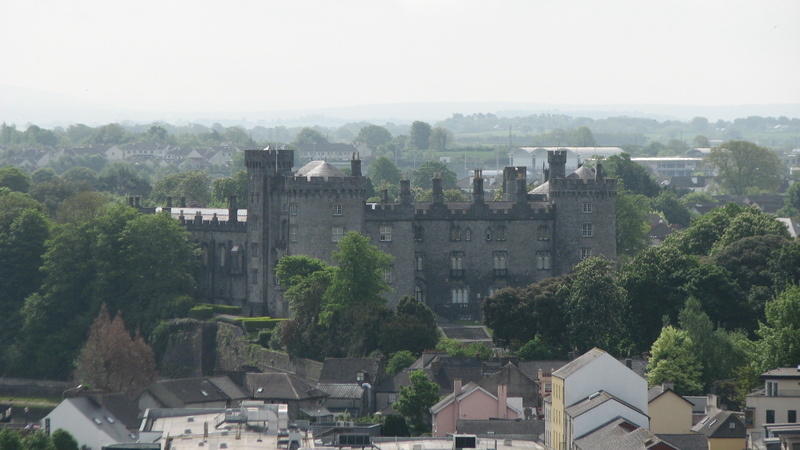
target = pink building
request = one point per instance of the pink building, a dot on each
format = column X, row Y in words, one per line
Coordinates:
column 472, row 402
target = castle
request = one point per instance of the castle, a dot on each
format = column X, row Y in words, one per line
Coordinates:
column 449, row 255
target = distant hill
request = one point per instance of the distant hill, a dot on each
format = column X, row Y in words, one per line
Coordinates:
column 23, row 105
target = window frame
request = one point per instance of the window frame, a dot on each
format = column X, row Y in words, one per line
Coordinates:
column 587, row 230
column 385, row 233
column 337, row 209
column 334, row 234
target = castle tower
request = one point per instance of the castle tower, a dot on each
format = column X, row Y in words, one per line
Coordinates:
column 265, row 171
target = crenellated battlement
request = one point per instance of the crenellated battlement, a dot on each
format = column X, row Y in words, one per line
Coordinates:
column 564, row 187
column 269, row 159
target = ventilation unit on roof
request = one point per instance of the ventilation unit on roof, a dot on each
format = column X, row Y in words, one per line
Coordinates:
column 593, row 396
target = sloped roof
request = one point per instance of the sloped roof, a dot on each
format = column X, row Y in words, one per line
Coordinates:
column 543, row 188
column 101, row 417
column 595, row 400
column 619, row 434
column 345, row 370
column 320, row 169
column 718, row 425
column 657, row 391
column 281, row 386
column 579, row 363
column 186, row 391
column 341, row 390
column 466, row 391
column 583, row 173
column 123, row 409
column 687, row 441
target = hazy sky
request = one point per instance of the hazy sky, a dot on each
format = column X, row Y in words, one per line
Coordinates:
column 268, row 55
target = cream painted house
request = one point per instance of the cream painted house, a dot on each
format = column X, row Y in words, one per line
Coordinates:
column 669, row 412
column 777, row 402
column 590, row 391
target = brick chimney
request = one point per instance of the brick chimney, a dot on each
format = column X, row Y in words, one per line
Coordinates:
column 477, row 187
column 355, row 165
column 456, row 404
column 502, row 401
column 438, row 194
column 405, row 192
column 233, row 210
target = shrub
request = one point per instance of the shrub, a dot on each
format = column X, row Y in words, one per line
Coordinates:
column 201, row 312
column 259, row 323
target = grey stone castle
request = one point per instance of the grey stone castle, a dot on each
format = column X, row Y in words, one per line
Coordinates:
column 448, row 255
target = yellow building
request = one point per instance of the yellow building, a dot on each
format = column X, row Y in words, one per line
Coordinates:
column 724, row 430
column 669, row 412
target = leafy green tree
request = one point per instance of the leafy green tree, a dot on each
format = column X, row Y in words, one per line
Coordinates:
column 383, row 170
column 123, row 179
column 23, row 232
column 374, row 136
column 779, row 337
column 412, row 328
column 223, row 188
column 701, row 141
column 78, row 133
column 697, row 197
column 62, row 440
column 309, row 136
column 399, row 361
column 43, row 175
column 539, row 349
column 84, row 206
column 718, row 351
column 582, row 137
column 742, row 166
column 415, row 401
column 792, row 196
column 594, row 307
column 674, row 210
column 113, row 361
column 420, row 135
column 632, row 225
column 193, row 185
column 40, row 136
column 705, row 230
column 428, row 170
column 109, row 134
column 38, row 440
column 82, row 175
column 15, row 179
column 674, row 359
column 440, row 137
column 395, row 425
column 10, row 439
column 749, row 223
column 632, row 175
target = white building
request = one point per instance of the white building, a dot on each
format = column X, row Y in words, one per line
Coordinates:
column 777, row 402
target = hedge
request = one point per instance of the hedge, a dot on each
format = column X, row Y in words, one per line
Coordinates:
column 224, row 309
column 201, row 312
column 259, row 323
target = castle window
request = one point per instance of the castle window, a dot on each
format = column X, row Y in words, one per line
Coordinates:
column 387, row 276
column 587, row 208
column 501, row 233
column 293, row 209
column 419, row 294
column 544, row 233
column 293, row 233
column 254, row 250
column 419, row 260
column 237, row 259
column 457, row 264
column 542, row 260
column 253, row 221
column 488, row 234
column 337, row 233
column 284, row 207
column 337, row 210
column 586, row 253
column 467, row 234
column 418, row 233
column 254, row 276
column 587, row 230
column 386, row 233
column 222, row 253
column 455, row 233
column 500, row 268
column 460, row 295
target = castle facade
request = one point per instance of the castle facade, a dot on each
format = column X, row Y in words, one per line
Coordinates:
column 449, row 255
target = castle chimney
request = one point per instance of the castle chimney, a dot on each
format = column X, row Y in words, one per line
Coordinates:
column 522, row 185
column 502, row 401
column 183, row 202
column 509, row 183
column 384, row 194
column 477, row 187
column 130, row 201
column 405, row 192
column 438, row 193
column 355, row 165
column 233, row 210
column 557, row 160
column 598, row 175
column 169, row 201
column 136, row 201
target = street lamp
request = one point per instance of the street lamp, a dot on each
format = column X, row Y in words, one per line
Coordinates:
column 76, row 388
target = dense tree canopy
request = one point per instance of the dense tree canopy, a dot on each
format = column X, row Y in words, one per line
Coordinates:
column 420, row 135
column 383, row 170
column 374, row 136
column 673, row 358
column 430, row 169
column 742, row 166
column 416, row 399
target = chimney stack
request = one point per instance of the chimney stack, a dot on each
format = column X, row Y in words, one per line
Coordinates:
column 233, row 210
column 502, row 401
column 438, row 193
column 355, row 165
column 405, row 192
column 477, row 187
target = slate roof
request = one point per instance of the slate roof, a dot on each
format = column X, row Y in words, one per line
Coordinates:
column 657, row 391
column 341, row 390
column 791, row 225
column 583, row 173
column 620, row 434
column 320, row 169
column 579, row 363
column 186, row 391
column 595, row 400
column 718, row 426
column 93, row 411
column 345, row 370
column 782, row 372
column 123, row 409
column 686, row 441
column 281, row 386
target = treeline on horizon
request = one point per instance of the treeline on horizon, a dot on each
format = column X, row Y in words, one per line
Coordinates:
column 652, row 137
